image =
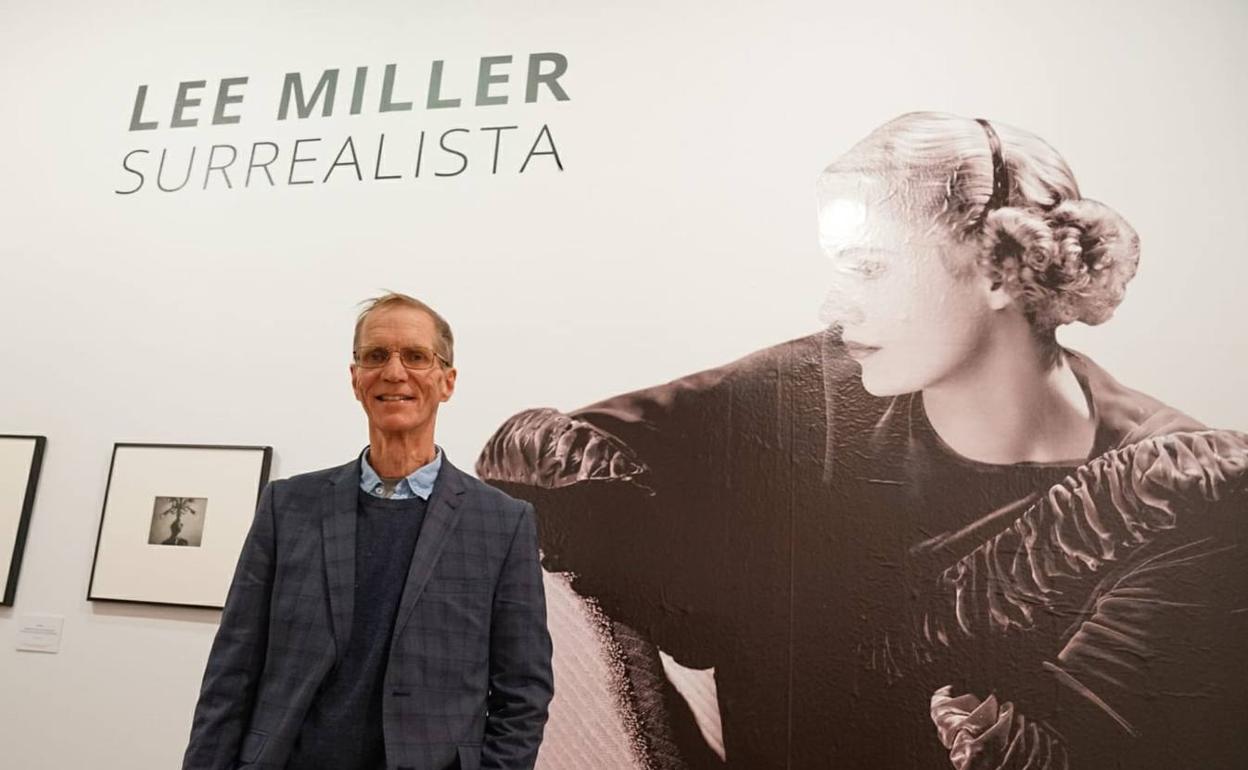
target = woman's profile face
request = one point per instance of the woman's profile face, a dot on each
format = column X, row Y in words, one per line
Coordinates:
column 908, row 320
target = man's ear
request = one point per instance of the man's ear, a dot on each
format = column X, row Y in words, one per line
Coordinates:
column 448, row 383
column 355, row 385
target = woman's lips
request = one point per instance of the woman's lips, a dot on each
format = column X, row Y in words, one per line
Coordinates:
column 858, row 351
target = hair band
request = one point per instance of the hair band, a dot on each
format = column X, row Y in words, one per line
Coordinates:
column 1000, row 175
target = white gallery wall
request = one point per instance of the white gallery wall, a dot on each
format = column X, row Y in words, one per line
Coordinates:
column 679, row 234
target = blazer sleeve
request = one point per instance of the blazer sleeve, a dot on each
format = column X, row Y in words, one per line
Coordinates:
column 521, row 680
column 227, row 695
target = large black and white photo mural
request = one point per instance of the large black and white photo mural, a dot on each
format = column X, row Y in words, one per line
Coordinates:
column 930, row 535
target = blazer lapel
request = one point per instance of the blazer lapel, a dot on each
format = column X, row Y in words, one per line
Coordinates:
column 338, row 538
column 440, row 519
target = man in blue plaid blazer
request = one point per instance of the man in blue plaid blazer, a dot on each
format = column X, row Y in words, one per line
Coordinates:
column 387, row 613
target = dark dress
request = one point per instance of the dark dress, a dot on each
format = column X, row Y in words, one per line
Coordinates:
column 838, row 565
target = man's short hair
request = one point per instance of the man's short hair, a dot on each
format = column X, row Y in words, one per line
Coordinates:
column 445, row 341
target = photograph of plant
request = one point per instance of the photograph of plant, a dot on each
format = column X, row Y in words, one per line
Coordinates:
column 178, row 521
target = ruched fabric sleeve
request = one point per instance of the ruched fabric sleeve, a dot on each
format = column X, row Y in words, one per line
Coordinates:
column 612, row 484
column 1140, row 553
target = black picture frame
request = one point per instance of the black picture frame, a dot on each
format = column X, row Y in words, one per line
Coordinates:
column 132, row 564
column 17, row 546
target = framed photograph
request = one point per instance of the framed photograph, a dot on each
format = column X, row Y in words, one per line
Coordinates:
column 174, row 520
column 20, row 460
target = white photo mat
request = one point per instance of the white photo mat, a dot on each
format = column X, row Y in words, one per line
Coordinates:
column 222, row 484
column 20, row 459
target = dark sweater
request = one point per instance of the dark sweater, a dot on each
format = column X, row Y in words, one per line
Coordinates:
column 343, row 728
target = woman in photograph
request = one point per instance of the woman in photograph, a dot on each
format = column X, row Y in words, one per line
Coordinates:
column 929, row 536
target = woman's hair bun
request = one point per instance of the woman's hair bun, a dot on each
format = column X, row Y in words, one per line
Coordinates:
column 1070, row 263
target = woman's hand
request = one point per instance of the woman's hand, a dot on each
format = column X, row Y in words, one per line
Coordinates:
column 988, row 735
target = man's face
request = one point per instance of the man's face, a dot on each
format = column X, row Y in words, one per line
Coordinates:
column 397, row 399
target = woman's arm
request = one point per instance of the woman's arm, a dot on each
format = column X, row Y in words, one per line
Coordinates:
column 1150, row 670
column 615, row 486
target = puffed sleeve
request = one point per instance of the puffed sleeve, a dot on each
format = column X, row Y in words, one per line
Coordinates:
column 1150, row 672
column 644, row 498
column 611, row 484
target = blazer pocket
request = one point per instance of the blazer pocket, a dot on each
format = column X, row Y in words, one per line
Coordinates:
column 469, row 756
column 252, row 747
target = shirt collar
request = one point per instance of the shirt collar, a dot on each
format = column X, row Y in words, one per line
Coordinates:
column 419, row 483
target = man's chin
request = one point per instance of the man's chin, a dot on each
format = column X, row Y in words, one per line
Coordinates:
column 395, row 424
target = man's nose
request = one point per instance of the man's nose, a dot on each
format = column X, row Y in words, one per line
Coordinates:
column 394, row 371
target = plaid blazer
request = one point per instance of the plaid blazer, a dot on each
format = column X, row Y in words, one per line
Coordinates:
column 469, row 676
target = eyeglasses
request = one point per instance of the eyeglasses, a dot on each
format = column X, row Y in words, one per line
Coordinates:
column 416, row 358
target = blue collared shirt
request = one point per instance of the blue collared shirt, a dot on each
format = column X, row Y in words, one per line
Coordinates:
column 417, row 484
